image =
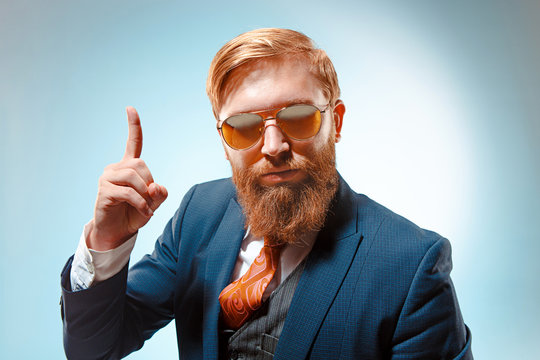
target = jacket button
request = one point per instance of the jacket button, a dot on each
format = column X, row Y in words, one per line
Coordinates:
column 233, row 354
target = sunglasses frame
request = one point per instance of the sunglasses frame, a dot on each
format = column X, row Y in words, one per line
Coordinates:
column 274, row 113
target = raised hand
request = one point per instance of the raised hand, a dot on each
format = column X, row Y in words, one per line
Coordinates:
column 127, row 194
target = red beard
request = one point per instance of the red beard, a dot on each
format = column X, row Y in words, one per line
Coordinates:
column 283, row 213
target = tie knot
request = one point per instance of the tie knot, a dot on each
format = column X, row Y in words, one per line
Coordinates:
column 269, row 244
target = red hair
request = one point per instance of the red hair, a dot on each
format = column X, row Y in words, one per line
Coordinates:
column 267, row 43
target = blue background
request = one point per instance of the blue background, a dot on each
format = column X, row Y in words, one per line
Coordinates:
column 442, row 126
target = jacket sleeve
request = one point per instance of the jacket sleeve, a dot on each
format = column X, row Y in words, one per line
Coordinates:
column 115, row 317
column 430, row 325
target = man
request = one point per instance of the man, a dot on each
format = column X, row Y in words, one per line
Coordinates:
column 285, row 261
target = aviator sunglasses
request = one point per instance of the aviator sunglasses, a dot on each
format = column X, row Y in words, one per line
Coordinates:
column 298, row 122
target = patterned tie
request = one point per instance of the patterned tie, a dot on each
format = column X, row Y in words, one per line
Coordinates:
column 243, row 296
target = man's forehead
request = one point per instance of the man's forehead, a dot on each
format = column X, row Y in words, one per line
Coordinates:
column 257, row 67
column 265, row 72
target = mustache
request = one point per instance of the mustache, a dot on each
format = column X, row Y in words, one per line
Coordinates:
column 270, row 164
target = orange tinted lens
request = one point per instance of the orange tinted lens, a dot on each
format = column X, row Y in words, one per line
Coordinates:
column 300, row 121
column 242, row 131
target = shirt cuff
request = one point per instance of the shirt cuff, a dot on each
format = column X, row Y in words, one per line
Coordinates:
column 91, row 266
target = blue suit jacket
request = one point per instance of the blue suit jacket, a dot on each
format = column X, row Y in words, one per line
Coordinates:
column 375, row 286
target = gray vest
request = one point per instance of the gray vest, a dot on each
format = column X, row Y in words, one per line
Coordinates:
column 257, row 339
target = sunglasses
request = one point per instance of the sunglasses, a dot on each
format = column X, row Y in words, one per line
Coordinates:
column 298, row 122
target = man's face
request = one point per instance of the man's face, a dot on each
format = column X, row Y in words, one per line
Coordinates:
column 274, row 84
column 285, row 186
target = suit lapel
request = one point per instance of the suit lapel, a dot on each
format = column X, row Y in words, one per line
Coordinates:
column 222, row 254
column 326, row 267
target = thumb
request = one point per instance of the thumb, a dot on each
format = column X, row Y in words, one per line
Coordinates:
column 158, row 193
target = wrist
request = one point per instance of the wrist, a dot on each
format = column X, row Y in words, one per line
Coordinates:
column 99, row 240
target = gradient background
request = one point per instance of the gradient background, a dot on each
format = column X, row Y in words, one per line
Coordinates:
column 442, row 126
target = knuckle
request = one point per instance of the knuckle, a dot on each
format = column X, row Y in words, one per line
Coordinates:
column 102, row 180
column 134, row 163
column 110, row 167
column 142, row 166
column 132, row 192
column 126, row 191
column 138, row 162
column 130, row 173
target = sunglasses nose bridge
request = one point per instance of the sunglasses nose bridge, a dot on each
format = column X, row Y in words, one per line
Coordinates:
column 275, row 141
column 271, row 121
column 269, row 118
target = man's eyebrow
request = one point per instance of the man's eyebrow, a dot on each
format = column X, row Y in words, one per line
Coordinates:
column 300, row 101
column 283, row 105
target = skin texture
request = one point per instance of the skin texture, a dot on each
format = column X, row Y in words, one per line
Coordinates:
column 127, row 194
column 271, row 84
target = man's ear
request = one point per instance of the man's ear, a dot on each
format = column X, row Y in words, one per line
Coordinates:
column 339, row 112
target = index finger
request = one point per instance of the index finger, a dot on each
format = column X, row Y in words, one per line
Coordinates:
column 135, row 137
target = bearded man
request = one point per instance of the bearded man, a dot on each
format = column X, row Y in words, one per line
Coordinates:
column 284, row 261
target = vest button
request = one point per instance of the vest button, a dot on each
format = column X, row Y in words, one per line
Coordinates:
column 233, row 355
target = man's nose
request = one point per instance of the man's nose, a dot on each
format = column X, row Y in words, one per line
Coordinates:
column 275, row 142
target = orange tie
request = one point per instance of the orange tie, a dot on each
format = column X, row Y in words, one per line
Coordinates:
column 243, row 296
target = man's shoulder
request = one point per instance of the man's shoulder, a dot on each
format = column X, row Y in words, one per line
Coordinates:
column 381, row 223
column 394, row 242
